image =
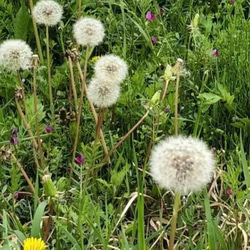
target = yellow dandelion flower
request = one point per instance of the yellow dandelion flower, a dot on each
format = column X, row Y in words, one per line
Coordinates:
column 34, row 244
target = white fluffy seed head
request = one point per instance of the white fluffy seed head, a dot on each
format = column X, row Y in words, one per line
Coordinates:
column 47, row 12
column 183, row 164
column 15, row 55
column 103, row 93
column 88, row 31
column 111, row 67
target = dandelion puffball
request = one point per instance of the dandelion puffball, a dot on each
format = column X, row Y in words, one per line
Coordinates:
column 47, row 12
column 15, row 55
column 88, row 31
column 183, row 164
column 103, row 93
column 111, row 67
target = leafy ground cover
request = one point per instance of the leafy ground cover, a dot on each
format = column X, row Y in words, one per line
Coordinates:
column 97, row 202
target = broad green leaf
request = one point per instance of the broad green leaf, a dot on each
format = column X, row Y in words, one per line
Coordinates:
column 21, row 22
column 209, row 98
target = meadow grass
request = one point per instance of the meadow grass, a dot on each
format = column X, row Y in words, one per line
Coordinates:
column 111, row 202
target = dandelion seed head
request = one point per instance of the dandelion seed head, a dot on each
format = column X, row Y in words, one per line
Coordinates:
column 183, row 164
column 15, row 55
column 47, row 12
column 88, row 31
column 103, row 93
column 112, row 68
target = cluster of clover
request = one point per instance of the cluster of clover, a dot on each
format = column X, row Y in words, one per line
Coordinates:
column 179, row 163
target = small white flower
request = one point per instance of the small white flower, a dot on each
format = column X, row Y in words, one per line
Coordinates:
column 111, row 67
column 15, row 55
column 47, row 12
column 103, row 93
column 182, row 164
column 88, row 31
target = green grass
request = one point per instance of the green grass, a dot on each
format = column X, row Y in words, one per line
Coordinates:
column 117, row 205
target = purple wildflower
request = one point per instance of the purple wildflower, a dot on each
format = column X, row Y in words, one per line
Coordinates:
column 80, row 159
column 14, row 131
column 229, row 191
column 161, row 11
column 232, row 1
column 154, row 40
column 215, row 53
column 167, row 109
column 150, row 16
column 48, row 129
column 13, row 140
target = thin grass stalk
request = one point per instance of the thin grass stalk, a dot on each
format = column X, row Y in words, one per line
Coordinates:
column 49, row 76
column 26, row 124
column 156, row 121
column 78, row 120
column 174, row 220
column 23, row 94
column 72, row 80
column 38, row 44
column 125, row 137
column 176, row 105
column 26, row 177
column 40, row 149
column 79, row 9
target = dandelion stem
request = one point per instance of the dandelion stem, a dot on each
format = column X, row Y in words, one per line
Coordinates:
column 99, row 122
column 49, row 76
column 78, row 119
column 176, row 105
column 24, row 173
column 125, row 137
column 47, row 226
column 72, row 80
column 23, row 94
column 41, row 156
column 174, row 220
column 165, row 91
column 38, row 44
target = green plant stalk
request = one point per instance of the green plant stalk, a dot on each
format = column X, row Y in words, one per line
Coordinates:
column 40, row 149
column 174, row 220
column 125, row 137
column 48, row 224
column 79, row 8
column 49, row 76
column 26, row 124
column 176, row 105
column 78, row 119
column 23, row 94
column 38, row 44
column 100, row 121
column 72, row 80
column 26, row 177
column 155, row 125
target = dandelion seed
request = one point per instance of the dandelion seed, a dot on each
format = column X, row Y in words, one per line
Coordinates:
column 34, row 244
column 103, row 93
column 88, row 31
column 182, row 164
column 47, row 12
column 15, row 55
column 111, row 68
